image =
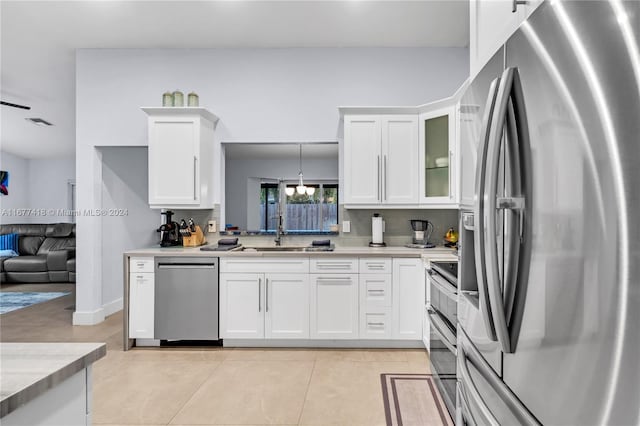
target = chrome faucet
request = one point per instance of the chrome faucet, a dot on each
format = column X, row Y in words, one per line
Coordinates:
column 279, row 228
column 279, row 231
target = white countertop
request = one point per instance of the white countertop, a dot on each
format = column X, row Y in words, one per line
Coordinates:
column 395, row 251
column 28, row 370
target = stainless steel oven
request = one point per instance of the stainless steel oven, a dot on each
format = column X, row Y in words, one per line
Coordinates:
column 443, row 317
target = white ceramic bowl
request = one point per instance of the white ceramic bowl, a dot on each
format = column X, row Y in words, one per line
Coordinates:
column 442, row 162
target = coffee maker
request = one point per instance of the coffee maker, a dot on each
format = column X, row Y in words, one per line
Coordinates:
column 169, row 231
column 422, row 230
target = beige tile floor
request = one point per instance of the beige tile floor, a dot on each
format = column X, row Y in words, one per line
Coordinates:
column 149, row 386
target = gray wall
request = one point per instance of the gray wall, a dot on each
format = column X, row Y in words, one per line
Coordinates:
column 259, row 95
column 238, row 173
column 124, row 186
column 49, row 186
column 18, row 197
column 39, row 184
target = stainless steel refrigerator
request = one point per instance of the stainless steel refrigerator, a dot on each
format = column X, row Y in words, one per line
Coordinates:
column 549, row 305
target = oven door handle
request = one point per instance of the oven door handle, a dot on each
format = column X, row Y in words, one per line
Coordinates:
column 465, row 411
column 443, row 286
column 434, row 319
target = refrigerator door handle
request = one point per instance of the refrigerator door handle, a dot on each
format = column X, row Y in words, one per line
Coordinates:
column 467, row 418
column 478, row 235
column 523, row 238
column 510, row 114
column 512, row 206
column 468, row 354
column 494, row 281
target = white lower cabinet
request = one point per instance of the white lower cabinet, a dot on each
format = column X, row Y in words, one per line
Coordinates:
column 408, row 298
column 386, row 302
column 256, row 306
column 334, row 306
column 241, row 306
column 141, row 298
column 375, row 305
column 287, row 306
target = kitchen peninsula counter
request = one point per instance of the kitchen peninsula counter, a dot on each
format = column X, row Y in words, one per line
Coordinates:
column 391, row 251
column 47, row 383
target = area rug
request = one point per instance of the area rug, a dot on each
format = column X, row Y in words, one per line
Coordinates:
column 13, row 300
column 413, row 399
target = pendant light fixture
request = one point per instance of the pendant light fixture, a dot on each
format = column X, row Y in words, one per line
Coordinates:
column 301, row 188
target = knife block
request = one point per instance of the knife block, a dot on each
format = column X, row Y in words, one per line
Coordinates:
column 196, row 238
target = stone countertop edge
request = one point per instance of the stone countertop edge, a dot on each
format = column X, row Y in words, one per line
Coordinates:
column 20, row 397
column 392, row 251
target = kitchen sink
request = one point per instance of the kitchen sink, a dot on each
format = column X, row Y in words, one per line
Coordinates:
column 289, row 248
column 273, row 248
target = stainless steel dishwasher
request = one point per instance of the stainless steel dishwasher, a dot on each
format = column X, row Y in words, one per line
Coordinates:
column 186, row 298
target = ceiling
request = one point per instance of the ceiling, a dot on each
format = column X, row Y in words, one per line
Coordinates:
column 39, row 38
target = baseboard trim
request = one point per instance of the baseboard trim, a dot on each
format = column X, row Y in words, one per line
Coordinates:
column 88, row 317
column 113, row 307
column 355, row 344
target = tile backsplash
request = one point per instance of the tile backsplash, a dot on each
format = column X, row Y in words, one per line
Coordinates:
column 397, row 227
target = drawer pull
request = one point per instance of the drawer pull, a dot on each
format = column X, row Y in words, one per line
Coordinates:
column 375, row 291
column 375, row 324
column 332, row 279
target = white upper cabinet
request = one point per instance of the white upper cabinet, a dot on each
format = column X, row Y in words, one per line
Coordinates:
column 181, row 157
column 362, row 148
column 492, row 23
column 399, row 154
column 438, row 157
column 380, row 160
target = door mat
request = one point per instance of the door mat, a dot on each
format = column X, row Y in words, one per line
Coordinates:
column 413, row 399
column 13, row 300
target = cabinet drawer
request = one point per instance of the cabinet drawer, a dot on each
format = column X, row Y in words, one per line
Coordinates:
column 375, row 323
column 375, row 264
column 375, row 290
column 265, row 265
column 346, row 265
column 140, row 264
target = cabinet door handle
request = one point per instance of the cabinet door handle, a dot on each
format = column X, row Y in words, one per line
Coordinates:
column 266, row 297
column 384, row 176
column 195, row 178
column 450, row 174
column 259, row 294
column 378, row 177
column 514, row 5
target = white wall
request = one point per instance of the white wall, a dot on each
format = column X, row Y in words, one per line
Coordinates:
column 37, row 184
column 238, row 173
column 259, row 95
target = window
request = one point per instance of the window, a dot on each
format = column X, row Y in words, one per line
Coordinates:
column 302, row 213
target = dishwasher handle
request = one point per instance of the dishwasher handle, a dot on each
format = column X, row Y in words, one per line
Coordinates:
column 186, row 266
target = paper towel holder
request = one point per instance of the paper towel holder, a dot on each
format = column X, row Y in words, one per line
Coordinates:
column 377, row 231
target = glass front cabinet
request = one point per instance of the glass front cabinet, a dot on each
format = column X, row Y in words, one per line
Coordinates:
column 438, row 158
